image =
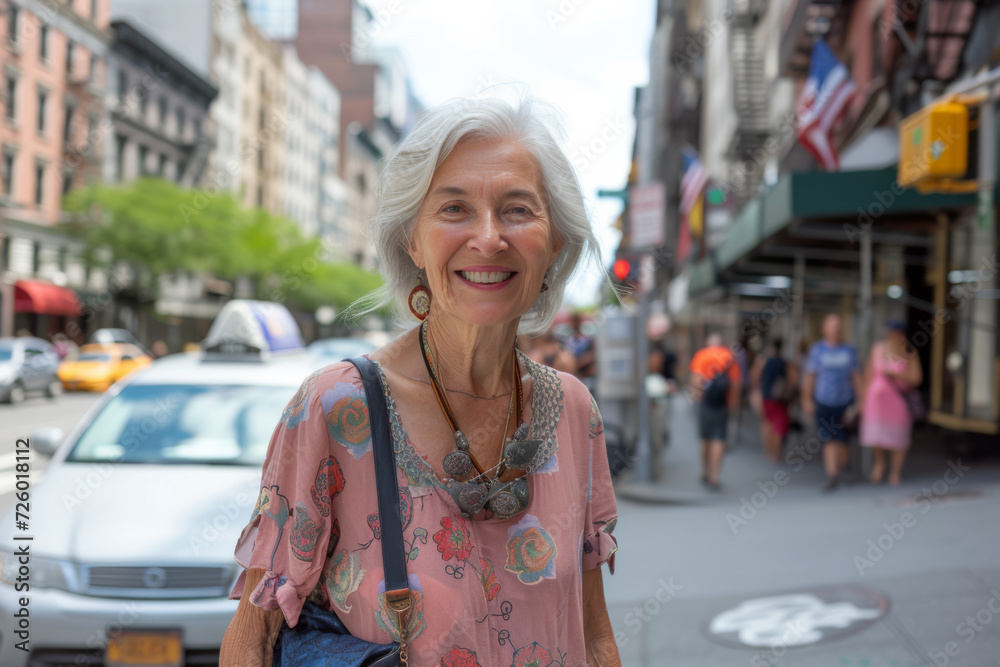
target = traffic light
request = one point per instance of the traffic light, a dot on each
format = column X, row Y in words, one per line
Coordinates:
column 622, row 269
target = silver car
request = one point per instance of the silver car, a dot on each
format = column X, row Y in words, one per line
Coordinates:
column 137, row 515
column 27, row 364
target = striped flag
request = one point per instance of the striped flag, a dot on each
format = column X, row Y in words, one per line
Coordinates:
column 693, row 180
column 824, row 98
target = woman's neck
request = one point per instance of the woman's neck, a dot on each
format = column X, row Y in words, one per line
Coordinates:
column 472, row 358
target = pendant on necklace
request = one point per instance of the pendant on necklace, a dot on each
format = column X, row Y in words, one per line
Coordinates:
column 508, row 500
column 458, row 462
column 470, row 498
column 518, row 454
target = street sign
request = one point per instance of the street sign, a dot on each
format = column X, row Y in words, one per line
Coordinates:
column 646, row 204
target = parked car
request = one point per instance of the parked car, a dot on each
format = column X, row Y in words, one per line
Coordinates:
column 340, row 348
column 137, row 515
column 27, row 365
column 97, row 367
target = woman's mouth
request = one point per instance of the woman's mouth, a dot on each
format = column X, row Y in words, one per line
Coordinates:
column 486, row 277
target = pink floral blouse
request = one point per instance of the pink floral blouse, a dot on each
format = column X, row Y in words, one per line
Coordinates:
column 486, row 592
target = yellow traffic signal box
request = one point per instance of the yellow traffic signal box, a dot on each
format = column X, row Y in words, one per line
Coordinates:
column 934, row 144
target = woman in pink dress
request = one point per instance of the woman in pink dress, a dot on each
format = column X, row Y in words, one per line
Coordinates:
column 893, row 369
column 505, row 491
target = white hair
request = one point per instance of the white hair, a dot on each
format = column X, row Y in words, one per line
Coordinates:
column 406, row 177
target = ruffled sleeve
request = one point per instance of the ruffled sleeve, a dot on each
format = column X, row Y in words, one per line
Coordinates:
column 290, row 527
column 599, row 545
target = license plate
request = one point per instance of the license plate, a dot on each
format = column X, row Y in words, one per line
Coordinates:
column 146, row 648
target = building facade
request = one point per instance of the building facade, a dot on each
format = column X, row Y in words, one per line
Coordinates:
column 53, row 61
column 303, row 144
column 264, row 121
column 160, row 110
column 206, row 36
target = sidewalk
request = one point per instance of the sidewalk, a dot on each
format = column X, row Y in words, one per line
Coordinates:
column 783, row 561
column 745, row 467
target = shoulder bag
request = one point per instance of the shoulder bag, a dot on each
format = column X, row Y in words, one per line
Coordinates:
column 320, row 639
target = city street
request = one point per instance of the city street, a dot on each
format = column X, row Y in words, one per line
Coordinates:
column 901, row 577
column 21, row 421
column 907, row 576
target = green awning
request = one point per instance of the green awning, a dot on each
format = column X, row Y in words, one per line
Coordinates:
column 850, row 195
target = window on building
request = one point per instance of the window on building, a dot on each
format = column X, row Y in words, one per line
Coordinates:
column 39, row 183
column 93, row 10
column 120, row 142
column 197, row 128
column 143, row 155
column 62, row 258
column 143, row 103
column 67, row 183
column 69, row 58
column 68, row 126
column 161, row 166
column 43, row 42
column 181, row 122
column 261, row 119
column 260, row 196
column 92, row 67
column 36, row 256
column 11, row 97
column 5, row 252
column 260, row 159
column 181, row 168
column 122, row 85
column 13, row 25
column 43, row 102
column 8, row 174
column 163, row 112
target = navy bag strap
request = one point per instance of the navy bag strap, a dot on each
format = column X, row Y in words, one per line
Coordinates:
column 393, row 554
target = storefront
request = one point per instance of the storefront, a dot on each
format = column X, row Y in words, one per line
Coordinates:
column 40, row 308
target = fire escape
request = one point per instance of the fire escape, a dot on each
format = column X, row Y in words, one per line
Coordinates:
column 749, row 99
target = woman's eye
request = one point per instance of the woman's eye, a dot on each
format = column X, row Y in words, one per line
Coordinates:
column 454, row 208
column 518, row 210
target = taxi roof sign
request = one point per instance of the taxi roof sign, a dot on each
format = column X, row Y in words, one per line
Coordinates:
column 245, row 327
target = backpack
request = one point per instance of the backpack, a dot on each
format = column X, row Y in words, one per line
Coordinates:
column 715, row 392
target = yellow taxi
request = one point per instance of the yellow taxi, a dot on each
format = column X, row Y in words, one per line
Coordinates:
column 99, row 366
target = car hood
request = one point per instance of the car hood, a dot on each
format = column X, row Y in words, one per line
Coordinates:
column 117, row 513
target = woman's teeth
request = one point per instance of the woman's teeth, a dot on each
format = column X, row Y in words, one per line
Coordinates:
column 486, row 276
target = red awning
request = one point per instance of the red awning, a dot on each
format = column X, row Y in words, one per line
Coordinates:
column 35, row 296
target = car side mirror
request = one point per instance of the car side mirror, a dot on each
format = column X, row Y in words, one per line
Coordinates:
column 46, row 440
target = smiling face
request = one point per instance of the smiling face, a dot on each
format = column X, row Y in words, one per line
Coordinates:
column 483, row 234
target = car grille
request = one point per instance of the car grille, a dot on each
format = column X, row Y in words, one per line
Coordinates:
column 154, row 581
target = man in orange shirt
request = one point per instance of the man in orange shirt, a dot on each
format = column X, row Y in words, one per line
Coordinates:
column 716, row 379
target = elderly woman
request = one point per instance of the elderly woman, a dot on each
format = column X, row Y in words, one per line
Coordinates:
column 479, row 222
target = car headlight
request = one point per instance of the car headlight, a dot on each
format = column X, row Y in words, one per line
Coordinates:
column 35, row 572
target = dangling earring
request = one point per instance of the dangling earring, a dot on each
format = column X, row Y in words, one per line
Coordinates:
column 420, row 300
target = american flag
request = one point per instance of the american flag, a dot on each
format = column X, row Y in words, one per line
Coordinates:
column 824, row 98
column 693, row 180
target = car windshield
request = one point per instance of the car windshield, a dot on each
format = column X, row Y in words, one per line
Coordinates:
column 6, row 354
column 94, row 356
column 209, row 424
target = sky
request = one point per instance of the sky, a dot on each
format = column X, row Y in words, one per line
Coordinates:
column 584, row 56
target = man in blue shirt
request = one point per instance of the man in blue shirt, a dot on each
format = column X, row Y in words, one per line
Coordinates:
column 832, row 384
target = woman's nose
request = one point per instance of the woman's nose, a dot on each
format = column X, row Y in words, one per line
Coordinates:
column 487, row 235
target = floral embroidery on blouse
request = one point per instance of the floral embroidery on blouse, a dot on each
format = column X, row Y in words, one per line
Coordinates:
column 460, row 657
column 531, row 552
column 343, row 578
column 328, row 485
column 347, row 418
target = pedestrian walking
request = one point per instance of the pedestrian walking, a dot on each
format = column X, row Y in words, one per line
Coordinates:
column 833, row 383
column 776, row 379
column 892, row 374
column 716, row 378
column 582, row 347
column 546, row 349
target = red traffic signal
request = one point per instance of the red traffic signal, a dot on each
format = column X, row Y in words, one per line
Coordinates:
column 622, row 269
